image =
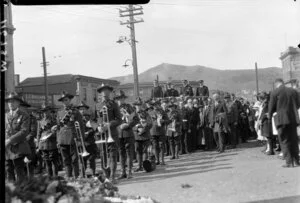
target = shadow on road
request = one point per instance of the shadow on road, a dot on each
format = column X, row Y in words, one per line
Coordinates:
column 291, row 199
column 186, row 165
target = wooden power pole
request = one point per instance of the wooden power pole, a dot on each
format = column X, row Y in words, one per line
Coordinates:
column 256, row 76
column 45, row 64
column 130, row 12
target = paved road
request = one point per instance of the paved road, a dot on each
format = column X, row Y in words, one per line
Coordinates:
column 244, row 174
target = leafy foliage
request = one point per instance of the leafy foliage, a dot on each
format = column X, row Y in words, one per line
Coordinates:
column 43, row 189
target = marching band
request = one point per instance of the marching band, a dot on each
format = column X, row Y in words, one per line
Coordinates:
column 166, row 124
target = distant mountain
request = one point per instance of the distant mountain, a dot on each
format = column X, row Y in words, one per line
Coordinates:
column 227, row 80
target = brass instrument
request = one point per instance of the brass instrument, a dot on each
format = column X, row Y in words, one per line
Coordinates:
column 81, row 153
column 149, row 164
column 78, row 130
column 125, row 114
column 67, row 116
column 104, row 139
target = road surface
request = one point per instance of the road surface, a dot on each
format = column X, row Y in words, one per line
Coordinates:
column 244, row 174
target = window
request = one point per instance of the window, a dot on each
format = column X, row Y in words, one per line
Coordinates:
column 84, row 91
column 95, row 95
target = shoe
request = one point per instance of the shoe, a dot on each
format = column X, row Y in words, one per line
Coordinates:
column 287, row 166
column 277, row 149
column 138, row 169
column 157, row 163
column 129, row 175
column 162, row 163
column 270, row 153
column 123, row 176
column 173, row 157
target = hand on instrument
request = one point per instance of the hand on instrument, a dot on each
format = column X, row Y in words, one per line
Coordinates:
column 54, row 128
column 7, row 142
column 189, row 131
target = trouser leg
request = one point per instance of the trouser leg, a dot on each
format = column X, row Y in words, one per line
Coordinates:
column 19, row 168
column 172, row 146
column 155, row 143
column 123, row 155
column 10, row 170
column 216, row 138
column 221, row 141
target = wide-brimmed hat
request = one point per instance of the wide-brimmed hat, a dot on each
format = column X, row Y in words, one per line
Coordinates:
column 201, row 81
column 171, row 105
column 105, row 87
column 83, row 105
column 138, row 102
column 121, row 95
column 13, row 96
column 25, row 104
column 65, row 95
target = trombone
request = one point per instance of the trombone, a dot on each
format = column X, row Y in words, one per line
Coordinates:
column 104, row 139
column 81, row 153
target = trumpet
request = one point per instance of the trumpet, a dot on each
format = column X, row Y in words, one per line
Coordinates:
column 125, row 114
column 82, row 153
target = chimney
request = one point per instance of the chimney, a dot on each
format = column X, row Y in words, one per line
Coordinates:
column 17, row 80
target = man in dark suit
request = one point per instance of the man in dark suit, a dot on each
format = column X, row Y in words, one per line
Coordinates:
column 186, row 90
column 202, row 90
column 157, row 91
column 218, row 121
column 17, row 123
column 286, row 103
column 171, row 92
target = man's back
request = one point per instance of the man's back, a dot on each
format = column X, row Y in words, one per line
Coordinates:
column 285, row 101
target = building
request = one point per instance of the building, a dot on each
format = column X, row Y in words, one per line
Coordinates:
column 83, row 87
column 291, row 63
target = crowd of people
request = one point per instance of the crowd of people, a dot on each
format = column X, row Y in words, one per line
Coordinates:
column 168, row 124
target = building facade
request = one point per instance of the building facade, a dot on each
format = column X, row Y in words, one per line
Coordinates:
column 291, row 63
column 84, row 89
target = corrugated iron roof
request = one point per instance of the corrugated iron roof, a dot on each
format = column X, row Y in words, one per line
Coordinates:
column 59, row 79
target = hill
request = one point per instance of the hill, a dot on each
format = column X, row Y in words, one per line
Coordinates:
column 227, row 80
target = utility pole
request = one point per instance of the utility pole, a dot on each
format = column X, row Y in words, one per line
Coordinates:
column 130, row 12
column 256, row 73
column 45, row 64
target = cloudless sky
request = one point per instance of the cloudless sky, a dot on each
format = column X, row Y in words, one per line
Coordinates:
column 223, row 34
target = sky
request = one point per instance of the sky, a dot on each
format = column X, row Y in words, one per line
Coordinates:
column 222, row 34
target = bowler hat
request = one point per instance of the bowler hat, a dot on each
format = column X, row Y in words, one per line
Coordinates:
column 105, row 87
column 65, row 95
column 13, row 96
column 121, row 95
column 83, row 105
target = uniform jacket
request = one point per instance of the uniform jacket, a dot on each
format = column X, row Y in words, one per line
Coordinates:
column 16, row 129
column 218, row 117
column 157, row 130
column 266, row 127
column 187, row 91
column 171, row 93
column 142, row 129
column 157, row 92
column 206, row 115
column 284, row 101
column 89, row 134
column 174, row 124
column 45, row 126
column 232, row 112
column 114, row 116
column 32, row 131
column 202, row 91
column 67, row 132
